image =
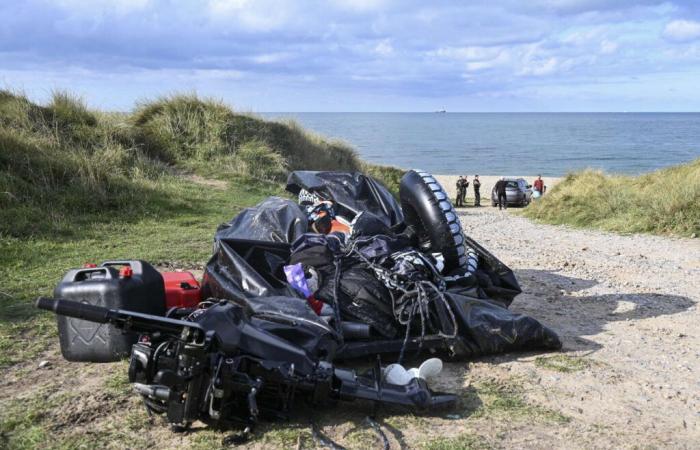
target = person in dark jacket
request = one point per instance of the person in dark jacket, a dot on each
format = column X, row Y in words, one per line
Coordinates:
column 459, row 199
column 501, row 192
column 477, row 186
column 464, row 191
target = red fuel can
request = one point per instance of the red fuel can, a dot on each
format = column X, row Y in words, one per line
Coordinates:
column 182, row 290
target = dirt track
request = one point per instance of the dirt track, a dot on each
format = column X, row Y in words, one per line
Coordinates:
column 628, row 377
column 627, row 306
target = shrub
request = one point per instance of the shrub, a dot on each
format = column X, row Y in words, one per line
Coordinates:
column 256, row 159
column 666, row 201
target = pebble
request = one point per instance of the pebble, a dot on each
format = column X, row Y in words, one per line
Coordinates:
column 44, row 364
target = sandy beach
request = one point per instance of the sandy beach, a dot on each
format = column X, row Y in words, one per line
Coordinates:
column 487, row 182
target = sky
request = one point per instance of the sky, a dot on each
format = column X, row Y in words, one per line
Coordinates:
column 361, row 55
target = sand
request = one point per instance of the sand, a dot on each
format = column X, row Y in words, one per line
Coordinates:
column 487, row 182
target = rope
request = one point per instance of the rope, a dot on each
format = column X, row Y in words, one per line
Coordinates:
column 413, row 295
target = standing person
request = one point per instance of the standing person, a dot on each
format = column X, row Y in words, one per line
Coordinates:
column 460, row 187
column 539, row 185
column 477, row 185
column 501, row 192
column 464, row 191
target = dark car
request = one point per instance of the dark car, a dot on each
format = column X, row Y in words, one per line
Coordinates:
column 518, row 192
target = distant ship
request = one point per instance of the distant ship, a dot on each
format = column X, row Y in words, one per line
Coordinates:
column 441, row 111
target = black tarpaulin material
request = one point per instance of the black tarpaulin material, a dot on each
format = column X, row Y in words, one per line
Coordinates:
column 244, row 269
column 274, row 219
column 495, row 278
column 292, row 319
column 351, row 191
column 487, row 328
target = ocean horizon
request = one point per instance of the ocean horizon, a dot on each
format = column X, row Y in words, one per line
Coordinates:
column 551, row 144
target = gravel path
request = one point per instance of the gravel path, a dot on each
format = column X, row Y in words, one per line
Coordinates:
column 627, row 305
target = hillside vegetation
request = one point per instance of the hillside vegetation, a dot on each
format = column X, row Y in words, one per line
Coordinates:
column 62, row 164
column 666, row 201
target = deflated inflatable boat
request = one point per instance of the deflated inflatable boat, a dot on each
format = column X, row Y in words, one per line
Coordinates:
column 295, row 287
column 406, row 272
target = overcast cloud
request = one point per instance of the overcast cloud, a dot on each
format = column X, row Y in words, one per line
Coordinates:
column 362, row 55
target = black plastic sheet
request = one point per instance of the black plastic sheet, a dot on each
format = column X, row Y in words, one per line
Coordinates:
column 489, row 328
column 351, row 191
column 275, row 219
column 244, row 269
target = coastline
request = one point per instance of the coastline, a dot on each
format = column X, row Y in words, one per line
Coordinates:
column 487, row 182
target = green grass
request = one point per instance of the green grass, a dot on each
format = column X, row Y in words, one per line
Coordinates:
column 81, row 419
column 563, row 363
column 662, row 202
column 461, row 442
column 506, row 400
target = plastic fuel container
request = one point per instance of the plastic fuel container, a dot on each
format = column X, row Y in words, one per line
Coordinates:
column 128, row 285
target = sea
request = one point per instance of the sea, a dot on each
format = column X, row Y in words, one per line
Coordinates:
column 551, row 144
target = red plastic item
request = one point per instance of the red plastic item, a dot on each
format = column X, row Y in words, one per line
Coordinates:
column 182, row 290
column 89, row 265
column 315, row 304
column 126, row 272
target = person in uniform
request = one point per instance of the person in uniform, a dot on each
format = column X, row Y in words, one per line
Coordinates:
column 459, row 188
column 477, row 186
column 464, row 191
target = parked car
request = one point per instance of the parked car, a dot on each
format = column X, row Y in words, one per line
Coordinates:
column 518, row 192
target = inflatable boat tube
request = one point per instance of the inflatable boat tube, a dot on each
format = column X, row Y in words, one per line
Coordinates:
column 427, row 208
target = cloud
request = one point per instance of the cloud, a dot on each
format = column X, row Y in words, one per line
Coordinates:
column 93, row 6
column 608, row 47
column 270, row 58
column 252, row 15
column 682, row 30
column 360, row 5
column 470, row 53
column 574, row 7
column 284, row 55
column 384, row 48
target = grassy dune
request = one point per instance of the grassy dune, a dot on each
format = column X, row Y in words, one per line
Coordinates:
column 664, row 202
column 62, row 164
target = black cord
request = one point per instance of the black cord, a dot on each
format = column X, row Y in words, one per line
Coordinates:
column 375, row 426
column 322, row 439
column 336, row 303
